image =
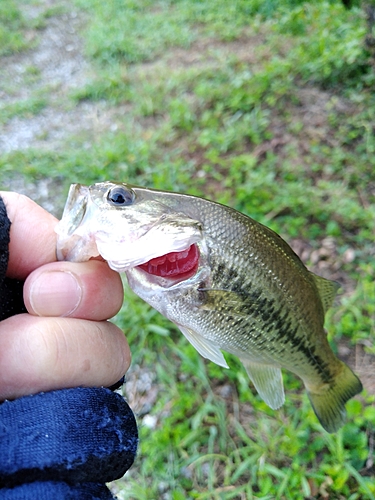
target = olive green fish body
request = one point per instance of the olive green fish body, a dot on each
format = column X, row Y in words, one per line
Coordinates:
column 251, row 296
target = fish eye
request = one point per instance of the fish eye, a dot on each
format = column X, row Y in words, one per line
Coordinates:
column 120, row 196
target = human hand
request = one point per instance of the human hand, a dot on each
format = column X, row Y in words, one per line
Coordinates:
column 64, row 341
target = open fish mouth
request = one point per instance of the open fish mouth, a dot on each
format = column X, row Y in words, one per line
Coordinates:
column 174, row 264
column 140, row 232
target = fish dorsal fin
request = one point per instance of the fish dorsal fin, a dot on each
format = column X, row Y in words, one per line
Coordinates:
column 327, row 290
column 205, row 347
column 268, row 382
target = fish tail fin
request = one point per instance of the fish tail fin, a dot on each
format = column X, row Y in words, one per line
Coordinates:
column 329, row 403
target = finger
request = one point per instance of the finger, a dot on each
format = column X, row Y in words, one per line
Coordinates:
column 42, row 354
column 88, row 290
column 32, row 236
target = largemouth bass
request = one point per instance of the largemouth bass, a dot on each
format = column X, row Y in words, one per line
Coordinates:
column 228, row 282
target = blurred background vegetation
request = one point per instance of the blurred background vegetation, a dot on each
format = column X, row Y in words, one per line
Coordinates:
column 264, row 105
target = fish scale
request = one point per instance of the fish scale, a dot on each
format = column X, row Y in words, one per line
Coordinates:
column 248, row 294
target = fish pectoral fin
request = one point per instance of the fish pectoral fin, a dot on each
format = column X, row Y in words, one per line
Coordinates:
column 225, row 301
column 327, row 290
column 268, row 382
column 205, row 347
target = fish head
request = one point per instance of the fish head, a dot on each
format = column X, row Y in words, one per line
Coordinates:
column 126, row 225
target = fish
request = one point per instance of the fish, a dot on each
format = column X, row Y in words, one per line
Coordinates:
column 228, row 282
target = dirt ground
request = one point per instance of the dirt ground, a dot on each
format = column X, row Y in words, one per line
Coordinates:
column 59, row 61
column 52, row 69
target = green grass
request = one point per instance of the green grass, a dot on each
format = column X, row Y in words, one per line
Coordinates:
column 17, row 33
column 266, row 106
column 24, row 109
column 11, row 25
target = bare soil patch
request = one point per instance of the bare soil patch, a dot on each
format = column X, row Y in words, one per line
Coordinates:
column 59, row 67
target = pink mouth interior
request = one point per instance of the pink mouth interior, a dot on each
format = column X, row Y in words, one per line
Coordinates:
column 174, row 264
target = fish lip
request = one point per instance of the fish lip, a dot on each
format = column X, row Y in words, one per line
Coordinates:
column 75, row 210
column 121, row 266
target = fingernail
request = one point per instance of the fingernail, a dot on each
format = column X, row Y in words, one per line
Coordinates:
column 55, row 293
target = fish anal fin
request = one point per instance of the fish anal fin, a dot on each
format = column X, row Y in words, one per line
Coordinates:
column 205, row 347
column 327, row 290
column 329, row 401
column 268, row 382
